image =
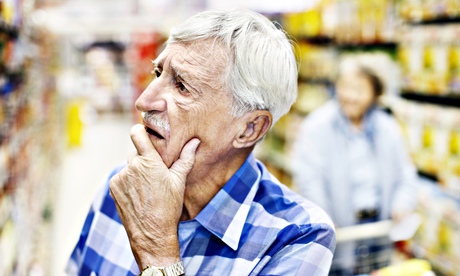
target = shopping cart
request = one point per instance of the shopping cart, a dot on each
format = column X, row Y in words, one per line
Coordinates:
column 372, row 244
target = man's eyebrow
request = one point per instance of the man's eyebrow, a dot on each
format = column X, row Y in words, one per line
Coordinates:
column 157, row 62
column 184, row 77
column 176, row 72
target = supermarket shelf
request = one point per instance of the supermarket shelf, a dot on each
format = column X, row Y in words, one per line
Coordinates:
column 432, row 99
column 443, row 264
column 319, row 81
column 436, row 188
column 427, row 175
column 277, row 159
column 317, row 40
column 328, row 41
column 10, row 30
column 436, row 21
column 384, row 46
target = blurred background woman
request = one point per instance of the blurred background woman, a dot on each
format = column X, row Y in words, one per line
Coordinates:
column 350, row 159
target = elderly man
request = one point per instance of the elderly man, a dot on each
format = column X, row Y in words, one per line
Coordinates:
column 194, row 200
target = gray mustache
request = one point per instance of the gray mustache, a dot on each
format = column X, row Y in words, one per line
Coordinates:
column 156, row 120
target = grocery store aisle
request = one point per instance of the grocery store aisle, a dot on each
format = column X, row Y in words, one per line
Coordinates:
column 105, row 144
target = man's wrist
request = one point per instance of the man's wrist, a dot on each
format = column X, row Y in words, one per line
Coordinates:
column 162, row 253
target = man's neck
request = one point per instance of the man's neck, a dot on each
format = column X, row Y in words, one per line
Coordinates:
column 206, row 180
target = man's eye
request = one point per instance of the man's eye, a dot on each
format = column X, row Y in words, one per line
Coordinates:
column 156, row 72
column 181, row 87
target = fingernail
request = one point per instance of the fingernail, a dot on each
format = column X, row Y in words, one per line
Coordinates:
column 197, row 143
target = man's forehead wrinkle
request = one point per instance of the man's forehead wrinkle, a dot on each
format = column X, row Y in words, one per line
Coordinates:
column 200, row 64
column 195, row 67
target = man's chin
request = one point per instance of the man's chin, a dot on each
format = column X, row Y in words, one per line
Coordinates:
column 168, row 158
column 160, row 147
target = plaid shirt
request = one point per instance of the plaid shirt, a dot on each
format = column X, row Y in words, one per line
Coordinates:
column 253, row 226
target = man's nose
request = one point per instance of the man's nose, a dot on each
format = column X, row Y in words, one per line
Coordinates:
column 152, row 98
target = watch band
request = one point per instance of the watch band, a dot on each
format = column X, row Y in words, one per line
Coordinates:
column 176, row 269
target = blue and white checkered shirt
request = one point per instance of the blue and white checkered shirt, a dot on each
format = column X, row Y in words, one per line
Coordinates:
column 253, row 226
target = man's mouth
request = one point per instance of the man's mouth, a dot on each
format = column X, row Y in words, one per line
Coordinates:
column 153, row 132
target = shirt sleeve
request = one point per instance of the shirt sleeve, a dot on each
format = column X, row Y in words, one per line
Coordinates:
column 309, row 254
column 76, row 260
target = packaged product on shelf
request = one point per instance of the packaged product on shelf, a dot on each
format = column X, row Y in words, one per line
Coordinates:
column 373, row 17
column 440, row 63
column 432, row 208
column 410, row 10
column 454, row 218
column 450, row 237
column 316, row 62
column 450, row 176
column 426, row 157
column 409, row 267
column 443, row 125
column 303, row 24
column 3, row 168
column 412, row 52
column 413, row 119
column 310, row 97
column 428, row 84
column 454, row 60
column 8, row 247
column 403, row 55
column 348, row 28
column 419, row 10
column 439, row 235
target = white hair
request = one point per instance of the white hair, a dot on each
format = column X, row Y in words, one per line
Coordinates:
column 262, row 73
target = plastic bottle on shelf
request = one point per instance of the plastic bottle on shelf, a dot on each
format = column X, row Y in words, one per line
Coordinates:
column 441, row 61
column 415, row 57
column 411, row 10
column 426, row 160
column 452, row 8
column 410, row 119
column 427, row 81
column 369, row 16
column 444, row 124
column 451, row 174
column 403, row 54
column 74, row 124
column 454, row 60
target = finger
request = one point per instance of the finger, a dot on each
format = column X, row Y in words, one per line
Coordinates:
column 186, row 160
column 142, row 142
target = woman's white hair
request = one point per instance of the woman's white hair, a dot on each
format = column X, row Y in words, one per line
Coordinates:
column 378, row 64
column 262, row 73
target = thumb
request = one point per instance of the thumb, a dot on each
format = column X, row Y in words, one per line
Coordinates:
column 184, row 164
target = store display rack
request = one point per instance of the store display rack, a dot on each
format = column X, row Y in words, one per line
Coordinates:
column 435, row 21
column 8, row 29
column 319, row 48
column 428, row 107
column 29, row 142
column 450, row 101
column 359, row 45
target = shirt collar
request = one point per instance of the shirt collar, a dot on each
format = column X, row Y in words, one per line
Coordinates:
column 225, row 215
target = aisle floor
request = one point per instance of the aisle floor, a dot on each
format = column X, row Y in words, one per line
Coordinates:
column 105, row 144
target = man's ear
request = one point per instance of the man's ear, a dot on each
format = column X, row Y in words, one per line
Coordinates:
column 256, row 124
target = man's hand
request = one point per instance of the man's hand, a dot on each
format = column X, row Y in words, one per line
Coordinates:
column 149, row 199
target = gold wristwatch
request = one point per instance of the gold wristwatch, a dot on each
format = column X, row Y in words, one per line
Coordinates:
column 176, row 269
